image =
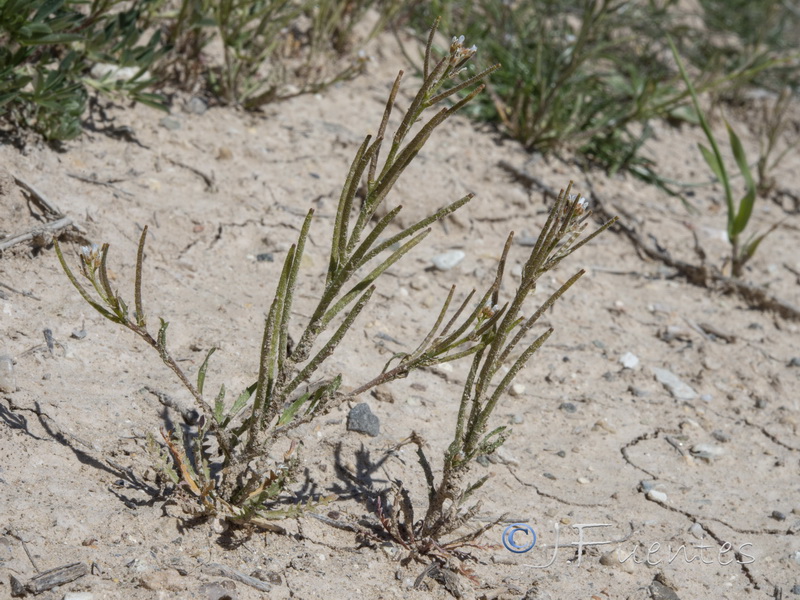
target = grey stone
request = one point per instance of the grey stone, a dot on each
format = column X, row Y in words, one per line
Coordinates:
column 721, row 436
column 795, row 362
column 796, row 589
column 196, row 105
column 568, row 407
column 362, row 420
column 778, row 515
column 170, row 123
column 658, row 591
column 707, row 451
column 447, row 260
column 646, row 485
column 676, row 387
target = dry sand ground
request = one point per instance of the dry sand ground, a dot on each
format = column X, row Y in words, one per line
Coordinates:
column 587, row 432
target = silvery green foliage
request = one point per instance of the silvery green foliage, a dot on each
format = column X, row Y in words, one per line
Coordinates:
column 222, row 466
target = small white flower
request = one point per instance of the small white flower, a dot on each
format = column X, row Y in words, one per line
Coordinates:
column 582, row 204
column 90, row 253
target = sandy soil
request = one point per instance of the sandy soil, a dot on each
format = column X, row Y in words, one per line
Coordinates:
column 591, row 438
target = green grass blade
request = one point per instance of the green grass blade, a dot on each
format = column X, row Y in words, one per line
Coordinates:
column 201, row 373
column 240, row 403
column 141, row 321
column 721, row 172
column 219, row 405
column 748, row 201
column 711, row 161
column 290, row 412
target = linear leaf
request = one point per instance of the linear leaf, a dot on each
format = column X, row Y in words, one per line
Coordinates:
column 201, row 373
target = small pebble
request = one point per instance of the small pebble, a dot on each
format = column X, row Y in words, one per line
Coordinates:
column 78, row 596
column 170, row 123
column 795, row 362
column 656, row 496
column 447, row 260
column 482, row 460
column 721, row 436
column 517, row 419
column 707, row 451
column 265, row 257
column 796, row 589
column 697, row 531
column 629, row 360
column 196, row 105
column 362, row 420
column 517, row 390
column 79, row 335
column 676, row 387
column 706, row 397
column 583, row 480
column 549, row 476
column 658, row 591
column 568, row 407
column 646, row 485
column 598, row 344
column 778, row 515
column 561, row 453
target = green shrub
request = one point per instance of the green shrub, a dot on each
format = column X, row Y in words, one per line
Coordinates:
column 47, row 49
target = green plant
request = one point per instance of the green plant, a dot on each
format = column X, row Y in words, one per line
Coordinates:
column 235, row 481
column 740, row 32
column 739, row 212
column 276, row 49
column 587, row 78
column 498, row 336
column 576, row 77
column 773, row 124
column 47, row 48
